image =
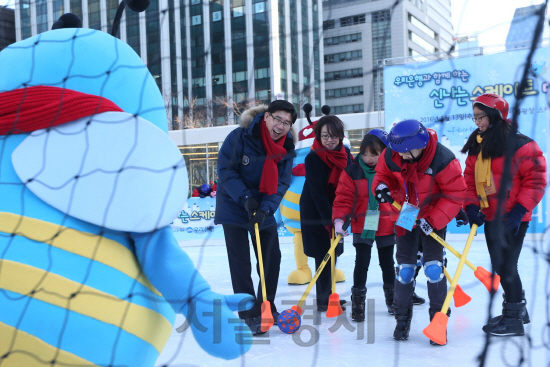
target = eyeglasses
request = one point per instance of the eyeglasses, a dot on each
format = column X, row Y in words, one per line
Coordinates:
column 478, row 119
column 279, row 121
column 327, row 137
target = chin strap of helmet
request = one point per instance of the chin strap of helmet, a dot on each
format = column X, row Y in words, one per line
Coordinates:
column 417, row 158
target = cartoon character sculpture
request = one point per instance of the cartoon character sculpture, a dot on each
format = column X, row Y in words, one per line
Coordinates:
column 90, row 273
column 290, row 205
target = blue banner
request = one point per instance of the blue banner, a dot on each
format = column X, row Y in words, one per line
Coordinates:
column 439, row 94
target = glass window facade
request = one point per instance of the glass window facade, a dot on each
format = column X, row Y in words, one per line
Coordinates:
column 198, row 65
column 424, row 28
column 184, row 55
column 294, row 54
column 152, row 25
column 316, row 57
column 112, row 6
column 282, row 46
column 260, row 24
column 353, row 20
column 132, row 30
column 352, row 108
column 238, row 54
column 58, row 9
column 331, row 41
column 344, row 74
column 344, row 92
column 76, row 7
column 25, row 9
column 219, row 80
column 381, row 49
column 430, row 49
column 173, row 66
column 94, row 16
column 343, row 56
column 306, row 77
column 41, row 16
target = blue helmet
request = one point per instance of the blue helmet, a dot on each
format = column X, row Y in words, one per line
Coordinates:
column 380, row 134
column 407, row 135
column 205, row 189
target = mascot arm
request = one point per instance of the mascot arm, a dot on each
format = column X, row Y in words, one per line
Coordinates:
column 210, row 315
column 229, row 159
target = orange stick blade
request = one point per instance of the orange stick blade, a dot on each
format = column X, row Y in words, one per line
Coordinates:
column 487, row 279
column 297, row 309
column 436, row 331
column 334, row 308
column 267, row 316
column 460, row 297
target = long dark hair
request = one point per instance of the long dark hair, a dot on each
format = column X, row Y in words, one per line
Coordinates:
column 495, row 138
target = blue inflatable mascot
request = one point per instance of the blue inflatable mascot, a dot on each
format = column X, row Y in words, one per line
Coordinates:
column 90, row 273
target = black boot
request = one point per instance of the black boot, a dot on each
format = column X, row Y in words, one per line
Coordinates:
column 417, row 300
column 495, row 320
column 432, row 314
column 388, row 293
column 403, row 316
column 358, row 296
column 511, row 322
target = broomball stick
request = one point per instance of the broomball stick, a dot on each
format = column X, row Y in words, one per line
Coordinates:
column 334, row 308
column 267, row 316
column 437, row 329
column 489, row 281
column 298, row 307
column 460, row 297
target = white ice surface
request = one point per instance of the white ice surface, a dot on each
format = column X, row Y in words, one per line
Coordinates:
column 342, row 348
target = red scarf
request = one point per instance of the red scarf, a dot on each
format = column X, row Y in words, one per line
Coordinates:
column 409, row 170
column 274, row 152
column 336, row 160
column 33, row 108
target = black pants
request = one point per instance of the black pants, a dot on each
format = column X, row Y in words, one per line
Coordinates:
column 238, row 253
column 362, row 261
column 504, row 250
column 407, row 249
column 323, row 286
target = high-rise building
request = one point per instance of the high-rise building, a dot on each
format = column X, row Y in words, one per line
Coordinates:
column 7, row 27
column 209, row 58
column 357, row 34
column 522, row 29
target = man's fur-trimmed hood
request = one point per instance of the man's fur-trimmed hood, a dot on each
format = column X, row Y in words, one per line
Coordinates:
column 248, row 116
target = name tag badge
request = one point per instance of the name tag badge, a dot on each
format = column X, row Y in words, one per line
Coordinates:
column 407, row 217
column 372, row 218
column 490, row 190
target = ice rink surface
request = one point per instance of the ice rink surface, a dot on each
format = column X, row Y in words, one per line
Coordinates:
column 326, row 342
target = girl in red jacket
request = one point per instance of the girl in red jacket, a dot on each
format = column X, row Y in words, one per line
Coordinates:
column 486, row 148
column 354, row 198
column 417, row 170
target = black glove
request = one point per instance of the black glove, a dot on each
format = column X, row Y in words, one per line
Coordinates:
column 461, row 218
column 425, row 226
column 475, row 216
column 251, row 205
column 380, row 192
column 512, row 219
column 259, row 218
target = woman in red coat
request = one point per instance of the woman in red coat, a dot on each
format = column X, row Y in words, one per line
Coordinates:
column 353, row 199
column 486, row 148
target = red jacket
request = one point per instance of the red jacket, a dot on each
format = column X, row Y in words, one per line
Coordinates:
column 441, row 189
column 528, row 179
column 352, row 194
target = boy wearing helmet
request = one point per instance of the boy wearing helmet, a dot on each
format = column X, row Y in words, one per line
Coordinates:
column 486, row 148
column 417, row 170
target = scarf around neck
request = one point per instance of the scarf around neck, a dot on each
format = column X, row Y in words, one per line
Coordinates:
column 336, row 160
column 373, row 205
column 482, row 176
column 274, row 152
